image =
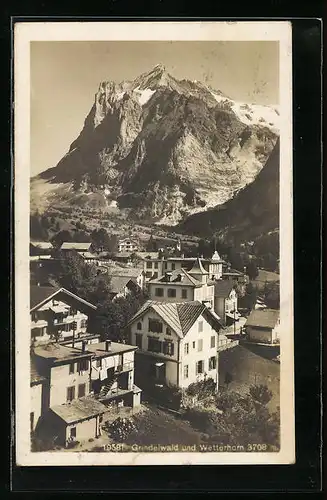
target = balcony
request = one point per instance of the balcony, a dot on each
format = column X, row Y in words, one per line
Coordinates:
column 125, row 367
column 224, row 344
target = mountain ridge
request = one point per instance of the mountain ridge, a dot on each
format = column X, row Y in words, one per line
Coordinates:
column 161, row 148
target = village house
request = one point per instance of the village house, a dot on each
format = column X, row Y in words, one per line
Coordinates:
column 177, row 343
column 127, row 245
column 57, row 313
column 262, row 326
column 66, row 412
column 80, row 247
column 38, row 248
column 134, row 273
column 180, row 286
column 225, row 302
column 122, row 286
column 156, row 267
column 79, row 387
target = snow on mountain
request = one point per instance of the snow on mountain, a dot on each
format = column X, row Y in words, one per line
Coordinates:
column 144, row 95
column 163, row 148
column 252, row 114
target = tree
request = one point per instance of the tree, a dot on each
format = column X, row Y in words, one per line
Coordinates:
column 252, row 270
column 260, row 393
column 151, row 245
column 271, row 295
column 58, row 239
column 100, row 239
column 37, row 230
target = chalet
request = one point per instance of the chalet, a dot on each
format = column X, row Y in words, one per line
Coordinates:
column 177, row 343
column 225, row 301
column 262, row 326
column 57, row 313
column 127, row 245
column 182, row 286
column 134, row 273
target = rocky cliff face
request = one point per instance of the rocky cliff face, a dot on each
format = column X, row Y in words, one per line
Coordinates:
column 253, row 212
column 164, row 148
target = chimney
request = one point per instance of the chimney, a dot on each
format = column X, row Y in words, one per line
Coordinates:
column 83, row 346
column 108, row 345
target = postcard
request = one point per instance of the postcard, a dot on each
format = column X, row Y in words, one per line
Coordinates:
column 153, row 243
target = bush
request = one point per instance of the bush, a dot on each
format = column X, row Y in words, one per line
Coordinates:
column 121, row 428
column 202, row 389
column 260, row 393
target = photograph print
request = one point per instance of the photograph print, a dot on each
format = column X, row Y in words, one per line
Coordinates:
column 156, row 220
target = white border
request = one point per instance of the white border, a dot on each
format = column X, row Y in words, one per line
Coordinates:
column 221, row 31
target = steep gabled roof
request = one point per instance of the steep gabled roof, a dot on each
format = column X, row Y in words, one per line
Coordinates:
column 41, row 294
column 118, row 283
column 179, row 316
column 177, row 277
column 265, row 318
column 43, row 245
column 198, row 268
column 223, row 288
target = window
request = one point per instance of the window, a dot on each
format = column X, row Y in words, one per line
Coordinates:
column 212, row 363
column 139, row 325
column 155, row 326
column 200, row 326
column 73, row 432
column 171, row 292
column 83, row 365
column 155, row 275
column 148, row 265
column 70, row 393
column 193, row 345
column 168, row 331
column 185, row 371
column 184, row 293
column 138, row 340
column 168, row 348
column 166, row 265
column 156, row 265
column 213, row 341
column 71, row 368
column 186, row 349
column 84, row 323
column 73, row 311
column 33, row 316
column 199, row 367
column 159, row 292
column 81, row 390
column 200, row 345
column 148, row 274
column 173, row 266
column 98, row 363
column 154, row 345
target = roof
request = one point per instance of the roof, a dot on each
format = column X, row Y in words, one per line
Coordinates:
column 57, row 352
column 118, row 283
column 177, row 277
column 123, row 255
column 198, row 268
column 133, row 272
column 79, row 409
column 179, row 316
column 99, row 348
column 233, row 272
column 39, row 295
column 148, row 255
column 70, row 245
column 266, row 318
column 44, row 245
column 223, row 288
column 88, row 255
column 35, row 376
column 131, row 240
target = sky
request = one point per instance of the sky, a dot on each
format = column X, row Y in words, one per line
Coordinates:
column 66, row 75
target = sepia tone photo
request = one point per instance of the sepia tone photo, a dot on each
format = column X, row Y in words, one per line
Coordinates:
column 154, row 234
